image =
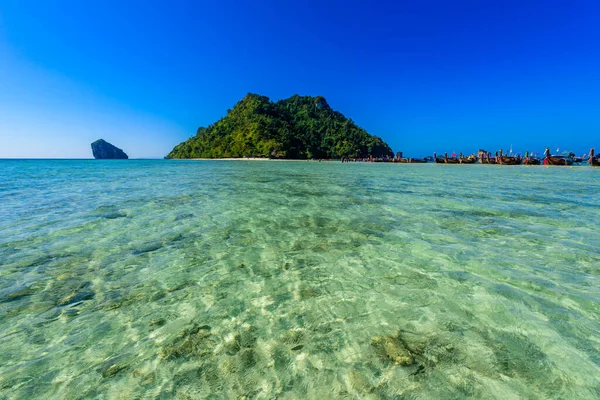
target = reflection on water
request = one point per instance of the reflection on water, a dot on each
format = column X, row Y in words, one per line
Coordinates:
column 162, row 279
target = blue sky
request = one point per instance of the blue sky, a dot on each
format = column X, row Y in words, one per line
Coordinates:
column 424, row 75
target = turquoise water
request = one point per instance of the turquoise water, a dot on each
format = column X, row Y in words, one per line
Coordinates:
column 200, row 279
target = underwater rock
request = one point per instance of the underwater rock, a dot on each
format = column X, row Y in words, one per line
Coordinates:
column 158, row 295
column 157, row 323
column 147, row 248
column 392, row 348
column 244, row 339
column 422, row 353
column 232, row 346
column 188, row 376
column 248, row 336
column 359, row 382
column 294, row 336
column 116, row 299
column 71, row 312
column 109, row 212
column 247, row 358
column 114, row 366
column 515, row 355
column 194, row 341
column 15, row 293
column 76, row 291
column 309, row 292
column 77, row 297
column 102, row 150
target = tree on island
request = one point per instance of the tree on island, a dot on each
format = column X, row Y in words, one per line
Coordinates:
column 301, row 127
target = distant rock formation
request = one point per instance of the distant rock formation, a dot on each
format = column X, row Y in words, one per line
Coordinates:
column 102, row 150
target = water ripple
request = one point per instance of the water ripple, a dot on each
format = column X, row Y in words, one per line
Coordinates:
column 302, row 280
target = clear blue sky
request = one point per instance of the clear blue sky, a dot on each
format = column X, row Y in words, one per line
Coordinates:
column 424, row 75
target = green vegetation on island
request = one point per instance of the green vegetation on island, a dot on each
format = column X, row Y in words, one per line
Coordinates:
column 301, row 127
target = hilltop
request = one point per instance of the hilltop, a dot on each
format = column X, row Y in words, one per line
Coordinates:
column 301, row 127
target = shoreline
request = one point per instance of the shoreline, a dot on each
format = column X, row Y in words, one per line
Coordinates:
column 362, row 162
column 239, row 159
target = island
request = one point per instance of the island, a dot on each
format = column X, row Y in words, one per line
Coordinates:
column 301, row 127
column 102, row 150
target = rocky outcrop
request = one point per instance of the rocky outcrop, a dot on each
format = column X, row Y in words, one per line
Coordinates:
column 102, row 150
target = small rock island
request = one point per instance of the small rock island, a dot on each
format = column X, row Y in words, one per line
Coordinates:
column 102, row 150
column 298, row 128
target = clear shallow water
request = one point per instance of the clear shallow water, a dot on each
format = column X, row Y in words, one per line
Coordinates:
column 160, row 279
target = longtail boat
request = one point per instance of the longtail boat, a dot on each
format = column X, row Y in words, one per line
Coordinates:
column 486, row 160
column 558, row 160
column 445, row 159
column 532, row 161
column 467, row 160
column 508, row 160
column 594, row 160
column 485, row 157
column 408, row 160
column 576, row 160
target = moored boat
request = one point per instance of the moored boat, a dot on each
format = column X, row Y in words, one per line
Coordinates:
column 408, row 160
column 485, row 157
column 508, row 160
column 417, row 161
column 445, row 159
column 468, row 160
column 486, row 160
column 558, row 160
column 549, row 159
column 532, row 161
column 576, row 160
column 594, row 160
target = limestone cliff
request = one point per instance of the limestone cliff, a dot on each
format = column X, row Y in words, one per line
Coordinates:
column 103, row 150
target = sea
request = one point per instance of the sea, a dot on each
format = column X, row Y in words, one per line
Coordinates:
column 158, row 279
